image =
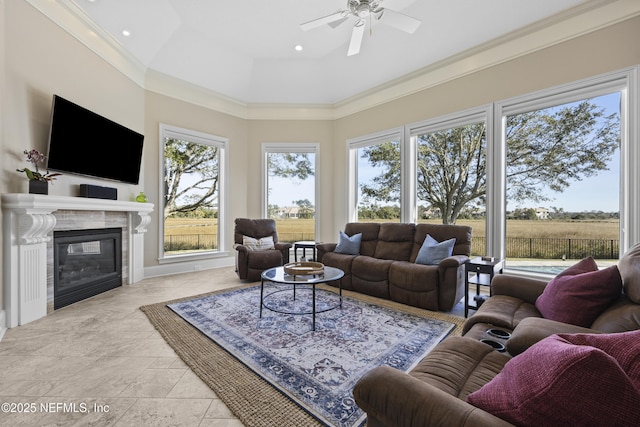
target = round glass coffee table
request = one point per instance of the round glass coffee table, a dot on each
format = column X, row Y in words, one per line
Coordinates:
column 277, row 275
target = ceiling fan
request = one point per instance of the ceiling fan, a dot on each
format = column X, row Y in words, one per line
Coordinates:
column 361, row 10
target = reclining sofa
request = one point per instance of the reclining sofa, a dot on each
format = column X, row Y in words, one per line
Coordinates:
column 552, row 372
column 385, row 263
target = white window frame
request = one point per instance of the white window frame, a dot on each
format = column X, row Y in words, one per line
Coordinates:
column 449, row 121
column 293, row 147
column 169, row 131
column 623, row 81
column 352, row 171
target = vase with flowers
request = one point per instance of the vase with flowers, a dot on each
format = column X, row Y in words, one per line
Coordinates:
column 38, row 181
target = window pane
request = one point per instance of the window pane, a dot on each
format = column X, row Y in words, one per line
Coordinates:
column 191, row 197
column 563, row 182
column 451, row 179
column 291, row 194
column 378, row 180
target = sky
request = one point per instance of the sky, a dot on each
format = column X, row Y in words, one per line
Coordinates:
column 597, row 193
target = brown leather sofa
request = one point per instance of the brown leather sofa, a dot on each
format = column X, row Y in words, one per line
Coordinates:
column 385, row 266
column 511, row 307
column 435, row 391
column 251, row 263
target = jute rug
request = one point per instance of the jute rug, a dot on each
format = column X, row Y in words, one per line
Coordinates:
column 250, row 397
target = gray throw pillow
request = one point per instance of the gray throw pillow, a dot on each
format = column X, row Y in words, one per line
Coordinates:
column 349, row 245
column 432, row 251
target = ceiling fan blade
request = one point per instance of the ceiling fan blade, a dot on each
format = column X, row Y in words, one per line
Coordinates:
column 335, row 24
column 400, row 21
column 356, row 38
column 321, row 21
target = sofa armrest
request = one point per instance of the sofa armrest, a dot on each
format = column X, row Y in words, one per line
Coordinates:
column 533, row 329
column 454, row 261
column 323, row 248
column 240, row 248
column 393, row 398
column 523, row 288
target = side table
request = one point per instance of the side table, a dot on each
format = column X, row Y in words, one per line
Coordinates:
column 481, row 270
column 304, row 245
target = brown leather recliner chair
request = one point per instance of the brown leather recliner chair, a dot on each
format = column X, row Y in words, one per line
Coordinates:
column 251, row 263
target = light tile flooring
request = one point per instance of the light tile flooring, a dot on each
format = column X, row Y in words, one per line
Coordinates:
column 100, row 362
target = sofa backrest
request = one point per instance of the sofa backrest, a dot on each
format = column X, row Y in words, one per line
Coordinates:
column 629, row 267
column 256, row 228
column 369, row 232
column 395, row 241
column 440, row 232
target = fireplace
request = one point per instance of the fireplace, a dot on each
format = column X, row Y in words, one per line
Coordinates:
column 29, row 223
column 85, row 263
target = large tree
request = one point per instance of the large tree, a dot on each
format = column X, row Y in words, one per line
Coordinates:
column 546, row 149
column 191, row 174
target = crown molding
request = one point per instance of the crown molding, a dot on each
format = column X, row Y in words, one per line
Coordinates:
column 588, row 17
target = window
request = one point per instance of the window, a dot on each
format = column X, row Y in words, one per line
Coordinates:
column 563, row 184
column 566, row 184
column 560, row 159
column 375, row 177
column 451, row 179
column 290, row 189
column 193, row 165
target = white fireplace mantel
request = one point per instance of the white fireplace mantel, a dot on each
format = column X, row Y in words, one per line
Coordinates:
column 28, row 223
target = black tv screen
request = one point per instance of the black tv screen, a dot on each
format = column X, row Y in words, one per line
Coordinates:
column 85, row 143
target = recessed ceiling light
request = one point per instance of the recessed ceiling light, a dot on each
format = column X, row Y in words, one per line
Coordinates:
column 298, row 48
column 126, row 33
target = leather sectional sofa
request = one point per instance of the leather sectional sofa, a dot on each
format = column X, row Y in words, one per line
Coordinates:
column 553, row 372
column 385, row 265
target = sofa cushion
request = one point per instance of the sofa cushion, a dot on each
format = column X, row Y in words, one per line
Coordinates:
column 578, row 295
column 262, row 244
column 622, row 316
column 414, row 284
column 629, row 267
column 370, row 276
column 459, row 366
column 369, row 230
column 580, row 379
column 349, row 245
column 395, row 241
column 432, row 251
column 442, row 232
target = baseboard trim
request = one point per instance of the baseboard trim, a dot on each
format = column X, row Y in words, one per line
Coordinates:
column 188, row 267
column 3, row 323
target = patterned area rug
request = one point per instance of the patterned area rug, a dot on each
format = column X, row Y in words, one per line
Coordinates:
column 316, row 369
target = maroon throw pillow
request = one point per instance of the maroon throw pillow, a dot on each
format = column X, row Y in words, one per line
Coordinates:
column 579, row 294
column 557, row 383
column 624, row 347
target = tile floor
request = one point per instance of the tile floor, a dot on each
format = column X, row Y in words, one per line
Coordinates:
column 100, row 362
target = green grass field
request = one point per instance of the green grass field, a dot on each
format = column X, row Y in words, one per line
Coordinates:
column 303, row 229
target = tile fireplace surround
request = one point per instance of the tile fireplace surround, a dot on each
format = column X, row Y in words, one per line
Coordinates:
column 29, row 221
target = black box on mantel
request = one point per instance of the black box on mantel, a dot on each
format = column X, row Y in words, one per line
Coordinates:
column 98, row 192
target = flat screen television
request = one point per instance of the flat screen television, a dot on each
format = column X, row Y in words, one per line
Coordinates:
column 85, row 143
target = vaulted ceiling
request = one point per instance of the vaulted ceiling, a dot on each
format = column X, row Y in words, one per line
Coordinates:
column 244, row 50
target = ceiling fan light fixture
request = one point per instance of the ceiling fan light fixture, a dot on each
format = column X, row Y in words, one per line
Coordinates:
column 361, row 9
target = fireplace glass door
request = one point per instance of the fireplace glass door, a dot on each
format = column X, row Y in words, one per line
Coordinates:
column 86, row 263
